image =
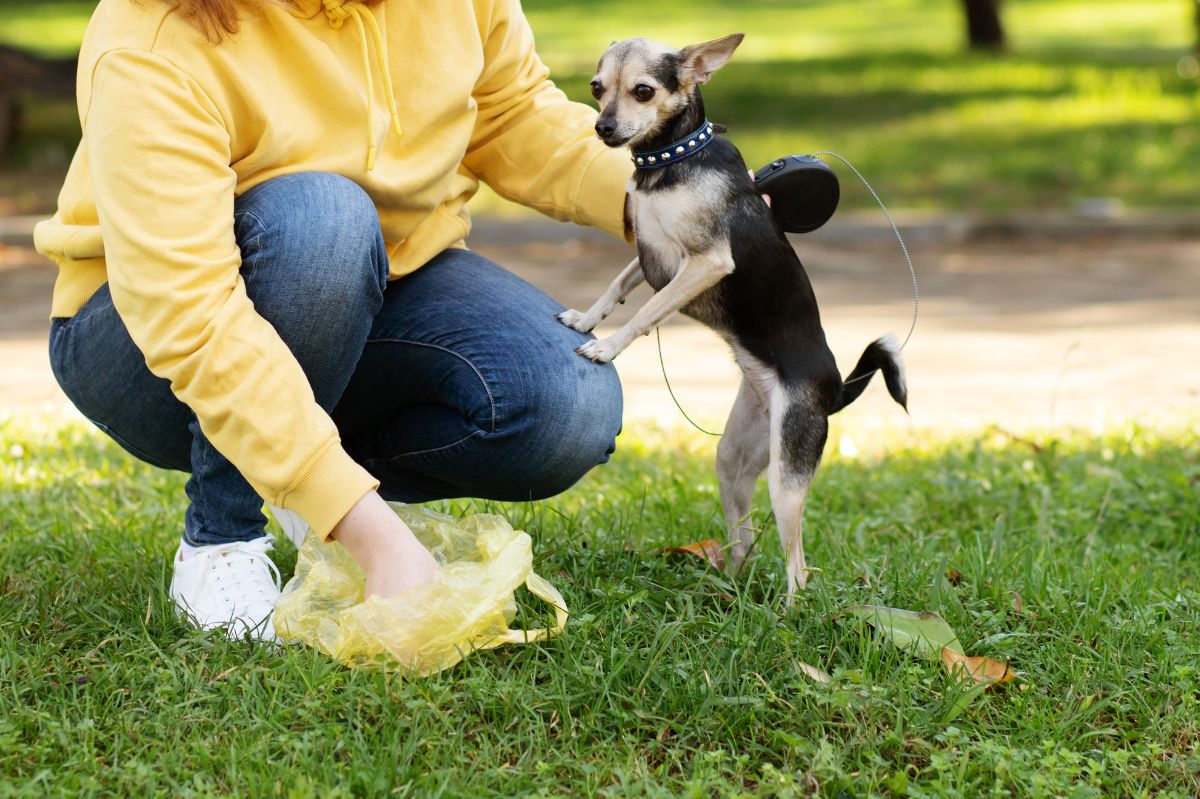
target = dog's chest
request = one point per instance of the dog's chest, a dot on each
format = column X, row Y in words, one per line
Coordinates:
column 670, row 225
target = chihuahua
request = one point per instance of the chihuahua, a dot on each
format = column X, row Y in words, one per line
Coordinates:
column 710, row 247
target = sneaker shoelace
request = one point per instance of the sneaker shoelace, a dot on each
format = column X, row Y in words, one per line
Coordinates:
column 237, row 570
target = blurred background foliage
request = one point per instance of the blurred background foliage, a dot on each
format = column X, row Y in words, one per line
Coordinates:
column 1080, row 99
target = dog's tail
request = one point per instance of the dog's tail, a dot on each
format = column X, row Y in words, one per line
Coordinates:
column 881, row 355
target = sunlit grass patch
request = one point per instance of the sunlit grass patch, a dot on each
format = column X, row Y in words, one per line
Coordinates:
column 785, row 30
column 49, row 27
column 1071, row 556
column 964, row 132
column 1090, row 102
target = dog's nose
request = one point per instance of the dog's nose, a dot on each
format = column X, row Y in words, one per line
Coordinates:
column 605, row 128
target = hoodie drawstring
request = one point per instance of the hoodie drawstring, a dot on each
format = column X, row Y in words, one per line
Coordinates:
column 337, row 11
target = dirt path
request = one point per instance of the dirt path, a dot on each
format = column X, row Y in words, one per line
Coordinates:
column 1022, row 333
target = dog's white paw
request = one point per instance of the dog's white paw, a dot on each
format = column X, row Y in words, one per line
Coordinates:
column 797, row 579
column 577, row 320
column 599, row 350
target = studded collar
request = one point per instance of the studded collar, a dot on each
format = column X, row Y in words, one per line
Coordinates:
column 684, row 148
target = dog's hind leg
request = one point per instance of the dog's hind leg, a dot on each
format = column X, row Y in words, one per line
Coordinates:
column 742, row 454
column 629, row 279
column 798, row 431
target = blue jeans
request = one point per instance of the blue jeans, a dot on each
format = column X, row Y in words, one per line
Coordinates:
column 455, row 380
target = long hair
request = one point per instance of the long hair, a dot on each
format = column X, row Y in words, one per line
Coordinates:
column 217, row 19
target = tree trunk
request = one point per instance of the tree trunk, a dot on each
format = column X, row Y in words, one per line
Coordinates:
column 1196, row 6
column 8, row 112
column 21, row 72
column 984, row 28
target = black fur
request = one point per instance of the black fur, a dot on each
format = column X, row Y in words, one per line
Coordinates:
column 876, row 358
column 803, row 439
column 682, row 124
column 767, row 304
column 666, row 72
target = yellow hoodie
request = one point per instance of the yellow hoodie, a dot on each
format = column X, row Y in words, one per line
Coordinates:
column 175, row 127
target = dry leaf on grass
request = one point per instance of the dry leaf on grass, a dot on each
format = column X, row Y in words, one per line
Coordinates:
column 709, row 549
column 929, row 636
column 981, row 670
column 812, row 672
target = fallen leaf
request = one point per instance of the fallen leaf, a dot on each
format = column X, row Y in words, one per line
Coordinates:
column 709, row 549
column 223, row 674
column 812, row 672
column 930, row 636
column 981, row 670
column 925, row 631
column 1017, row 603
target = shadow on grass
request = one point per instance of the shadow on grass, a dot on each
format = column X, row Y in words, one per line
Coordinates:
column 937, row 130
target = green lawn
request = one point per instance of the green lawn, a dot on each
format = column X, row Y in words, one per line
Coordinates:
column 671, row 679
column 1089, row 103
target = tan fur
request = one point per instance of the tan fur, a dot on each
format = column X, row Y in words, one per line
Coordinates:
column 683, row 256
column 625, row 66
column 744, row 451
column 629, row 279
column 700, row 61
column 696, row 274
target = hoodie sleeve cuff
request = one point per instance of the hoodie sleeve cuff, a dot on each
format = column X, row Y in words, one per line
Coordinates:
column 600, row 199
column 328, row 489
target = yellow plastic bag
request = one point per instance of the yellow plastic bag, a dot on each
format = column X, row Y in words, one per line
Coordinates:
column 466, row 607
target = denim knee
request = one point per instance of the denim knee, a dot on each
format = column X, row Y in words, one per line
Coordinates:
column 315, row 267
column 322, row 230
column 569, row 430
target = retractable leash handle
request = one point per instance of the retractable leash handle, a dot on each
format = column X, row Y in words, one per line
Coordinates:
column 804, row 192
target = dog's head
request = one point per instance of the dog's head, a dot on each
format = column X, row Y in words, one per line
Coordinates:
column 641, row 84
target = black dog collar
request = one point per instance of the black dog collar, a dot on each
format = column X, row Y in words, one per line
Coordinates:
column 684, row 148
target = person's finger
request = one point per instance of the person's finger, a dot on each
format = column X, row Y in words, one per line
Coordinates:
column 766, row 198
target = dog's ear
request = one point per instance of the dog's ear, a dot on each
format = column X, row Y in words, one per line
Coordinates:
column 698, row 62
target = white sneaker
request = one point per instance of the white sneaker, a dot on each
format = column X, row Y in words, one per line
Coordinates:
column 231, row 585
column 294, row 527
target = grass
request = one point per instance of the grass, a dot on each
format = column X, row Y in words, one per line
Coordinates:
column 1091, row 102
column 672, row 679
column 50, row 27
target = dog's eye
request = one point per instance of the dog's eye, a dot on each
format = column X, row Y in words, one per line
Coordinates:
column 642, row 93
column 597, row 89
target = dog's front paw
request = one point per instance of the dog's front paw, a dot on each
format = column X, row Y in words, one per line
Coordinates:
column 599, row 350
column 577, row 320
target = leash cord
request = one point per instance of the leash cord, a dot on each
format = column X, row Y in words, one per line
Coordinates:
column 903, row 248
column 671, row 391
column 911, row 271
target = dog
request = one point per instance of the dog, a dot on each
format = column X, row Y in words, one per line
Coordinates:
column 710, row 247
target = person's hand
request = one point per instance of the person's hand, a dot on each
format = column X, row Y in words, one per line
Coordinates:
column 392, row 557
column 766, row 197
